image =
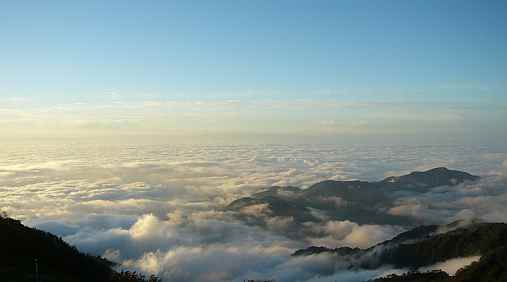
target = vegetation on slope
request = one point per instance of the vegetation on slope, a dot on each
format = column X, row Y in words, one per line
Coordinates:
column 23, row 248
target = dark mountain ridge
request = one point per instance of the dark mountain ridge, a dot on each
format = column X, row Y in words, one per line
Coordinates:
column 422, row 246
column 492, row 267
column 358, row 201
column 56, row 260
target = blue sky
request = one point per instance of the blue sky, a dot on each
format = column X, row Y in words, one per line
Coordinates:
column 63, row 52
column 80, row 50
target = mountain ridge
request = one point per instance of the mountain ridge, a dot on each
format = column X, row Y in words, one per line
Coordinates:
column 421, row 246
column 358, row 201
column 57, row 261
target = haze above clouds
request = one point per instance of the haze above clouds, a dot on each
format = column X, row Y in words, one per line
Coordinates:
column 337, row 120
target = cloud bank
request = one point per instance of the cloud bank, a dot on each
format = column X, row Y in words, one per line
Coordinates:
column 158, row 209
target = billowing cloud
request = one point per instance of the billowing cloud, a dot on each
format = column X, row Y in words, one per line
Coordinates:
column 485, row 200
column 260, row 210
column 350, row 234
column 159, row 209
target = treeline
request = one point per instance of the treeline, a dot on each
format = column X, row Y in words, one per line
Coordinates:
column 476, row 239
column 492, row 267
column 23, row 247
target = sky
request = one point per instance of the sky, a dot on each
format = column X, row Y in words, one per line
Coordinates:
column 127, row 126
column 284, row 69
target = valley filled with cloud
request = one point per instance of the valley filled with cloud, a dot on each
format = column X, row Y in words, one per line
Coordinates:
column 162, row 209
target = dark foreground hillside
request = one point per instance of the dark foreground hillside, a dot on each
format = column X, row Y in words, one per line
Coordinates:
column 490, row 268
column 56, row 260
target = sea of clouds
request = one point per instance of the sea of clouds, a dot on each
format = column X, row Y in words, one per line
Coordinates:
column 159, row 209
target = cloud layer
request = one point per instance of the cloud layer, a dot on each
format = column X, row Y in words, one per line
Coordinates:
column 158, row 209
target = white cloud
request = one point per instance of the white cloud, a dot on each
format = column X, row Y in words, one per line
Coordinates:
column 350, row 234
column 260, row 210
column 158, row 208
column 485, row 200
column 451, row 266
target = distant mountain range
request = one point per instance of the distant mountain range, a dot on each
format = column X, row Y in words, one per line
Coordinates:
column 368, row 203
column 358, row 201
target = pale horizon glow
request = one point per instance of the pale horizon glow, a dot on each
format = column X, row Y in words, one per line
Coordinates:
column 258, row 121
column 242, row 71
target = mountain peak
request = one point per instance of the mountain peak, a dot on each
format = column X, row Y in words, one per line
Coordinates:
column 440, row 176
column 360, row 201
column 439, row 169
